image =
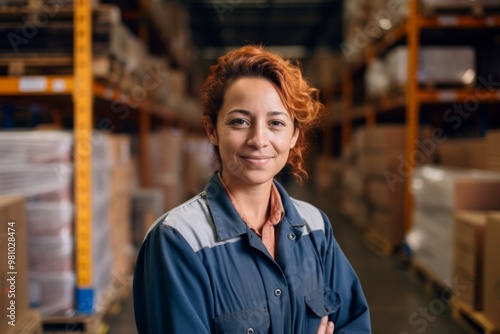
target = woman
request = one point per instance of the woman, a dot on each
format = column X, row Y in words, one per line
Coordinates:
column 242, row 256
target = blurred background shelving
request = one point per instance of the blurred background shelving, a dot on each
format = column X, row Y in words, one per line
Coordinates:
column 101, row 134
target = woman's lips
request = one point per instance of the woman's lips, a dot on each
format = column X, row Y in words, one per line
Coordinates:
column 256, row 160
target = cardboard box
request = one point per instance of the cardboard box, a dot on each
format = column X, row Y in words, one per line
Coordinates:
column 12, row 209
column 468, row 254
column 476, row 154
column 119, row 149
column 389, row 223
column 465, row 153
column 492, row 153
column 381, row 195
column 491, row 291
column 471, row 194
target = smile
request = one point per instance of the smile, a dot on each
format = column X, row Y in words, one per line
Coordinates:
column 256, row 160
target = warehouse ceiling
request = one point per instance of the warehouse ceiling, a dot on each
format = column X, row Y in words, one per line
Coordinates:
column 296, row 27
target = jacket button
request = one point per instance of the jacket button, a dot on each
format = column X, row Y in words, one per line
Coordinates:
column 250, row 330
column 291, row 236
column 277, row 292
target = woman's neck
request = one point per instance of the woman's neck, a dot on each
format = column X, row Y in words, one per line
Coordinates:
column 253, row 200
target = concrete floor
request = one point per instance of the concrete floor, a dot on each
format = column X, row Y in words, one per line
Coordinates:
column 398, row 305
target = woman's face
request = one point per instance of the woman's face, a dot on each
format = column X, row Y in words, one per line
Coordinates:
column 254, row 132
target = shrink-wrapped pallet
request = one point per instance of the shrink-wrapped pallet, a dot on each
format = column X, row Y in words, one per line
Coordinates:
column 438, row 193
column 437, row 66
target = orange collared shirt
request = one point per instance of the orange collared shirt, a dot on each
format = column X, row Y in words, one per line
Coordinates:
column 277, row 212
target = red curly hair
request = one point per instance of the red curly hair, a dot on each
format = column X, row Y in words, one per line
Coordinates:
column 300, row 99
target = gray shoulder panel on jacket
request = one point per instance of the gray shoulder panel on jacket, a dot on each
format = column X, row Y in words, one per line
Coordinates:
column 194, row 222
column 310, row 215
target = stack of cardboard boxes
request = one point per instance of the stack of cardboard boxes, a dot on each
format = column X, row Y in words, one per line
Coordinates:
column 354, row 203
column 167, row 166
column 474, row 153
column 475, row 264
column 373, row 186
column 14, row 299
column 123, row 181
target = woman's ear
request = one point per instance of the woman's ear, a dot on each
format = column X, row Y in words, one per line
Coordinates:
column 211, row 131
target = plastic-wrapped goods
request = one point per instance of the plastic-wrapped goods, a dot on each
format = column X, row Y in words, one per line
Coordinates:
column 53, row 292
column 51, row 254
column 32, row 180
column 438, row 193
column 437, row 65
column 376, row 79
column 35, row 162
column 102, row 267
column 50, row 219
column 34, row 147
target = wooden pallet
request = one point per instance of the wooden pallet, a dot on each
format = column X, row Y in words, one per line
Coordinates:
column 474, row 321
column 30, row 323
column 474, row 9
column 380, row 244
column 431, row 284
column 109, row 305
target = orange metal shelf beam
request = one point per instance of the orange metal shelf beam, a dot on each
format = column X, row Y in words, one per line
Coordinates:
column 451, row 21
column 456, row 95
column 413, row 104
column 37, row 85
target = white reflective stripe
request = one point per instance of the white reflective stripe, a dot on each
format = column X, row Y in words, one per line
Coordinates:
column 310, row 215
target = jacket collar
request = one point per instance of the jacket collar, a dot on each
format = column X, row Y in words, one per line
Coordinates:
column 228, row 222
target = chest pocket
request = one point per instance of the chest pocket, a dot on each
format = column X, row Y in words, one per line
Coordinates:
column 253, row 321
column 322, row 302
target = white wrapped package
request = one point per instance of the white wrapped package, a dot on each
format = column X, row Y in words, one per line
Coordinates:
column 50, row 218
column 376, row 79
column 52, row 293
column 33, row 180
column 437, row 65
column 34, row 147
column 439, row 192
column 51, row 254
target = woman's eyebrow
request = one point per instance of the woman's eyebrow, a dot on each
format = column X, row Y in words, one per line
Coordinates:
column 241, row 111
column 248, row 113
column 277, row 113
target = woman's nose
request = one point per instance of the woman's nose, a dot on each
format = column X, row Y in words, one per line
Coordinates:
column 258, row 137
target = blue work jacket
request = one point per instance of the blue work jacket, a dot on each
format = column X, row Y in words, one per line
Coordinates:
column 201, row 269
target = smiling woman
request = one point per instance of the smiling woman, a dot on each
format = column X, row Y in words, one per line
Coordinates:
column 243, row 256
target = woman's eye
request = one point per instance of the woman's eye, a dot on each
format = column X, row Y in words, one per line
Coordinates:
column 238, row 121
column 277, row 123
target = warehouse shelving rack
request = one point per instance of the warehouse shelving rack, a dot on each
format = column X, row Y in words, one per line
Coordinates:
column 413, row 97
column 83, row 90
